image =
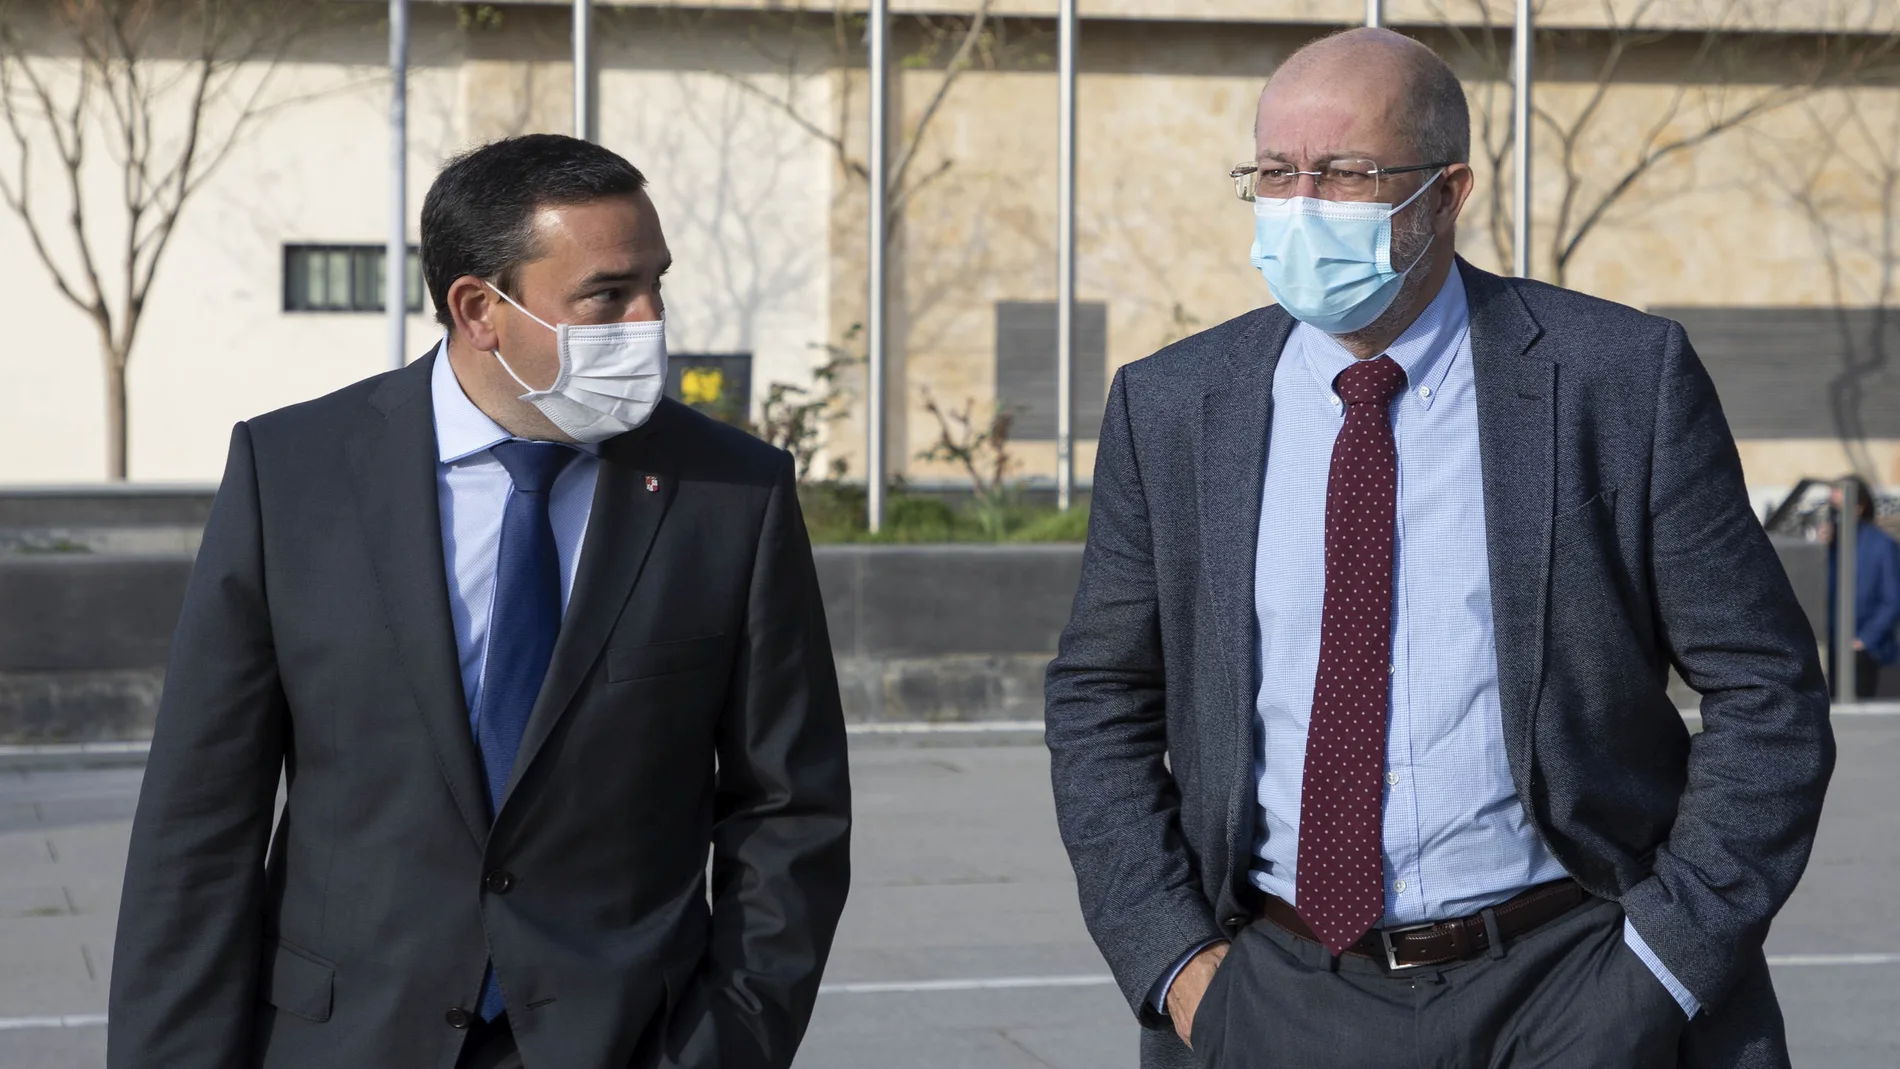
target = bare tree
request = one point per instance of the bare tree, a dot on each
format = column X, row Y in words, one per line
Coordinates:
column 954, row 44
column 1722, row 76
column 981, row 448
column 157, row 91
column 1838, row 162
column 788, row 52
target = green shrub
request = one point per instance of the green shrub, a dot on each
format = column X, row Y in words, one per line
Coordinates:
column 834, row 513
column 1052, row 525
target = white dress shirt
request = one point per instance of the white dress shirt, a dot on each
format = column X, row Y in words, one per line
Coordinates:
column 472, row 489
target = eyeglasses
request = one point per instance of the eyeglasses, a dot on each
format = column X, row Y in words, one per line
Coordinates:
column 1341, row 179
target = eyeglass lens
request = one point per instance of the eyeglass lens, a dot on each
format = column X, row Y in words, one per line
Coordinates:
column 1341, row 179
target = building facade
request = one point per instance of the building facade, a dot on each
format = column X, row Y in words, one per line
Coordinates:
column 1734, row 165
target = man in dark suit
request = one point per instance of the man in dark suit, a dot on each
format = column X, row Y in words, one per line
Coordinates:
column 1360, row 738
column 523, row 661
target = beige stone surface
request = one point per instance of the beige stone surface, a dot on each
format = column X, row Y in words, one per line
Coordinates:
column 751, row 126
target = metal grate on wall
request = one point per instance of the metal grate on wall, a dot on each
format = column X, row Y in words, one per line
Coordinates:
column 1801, row 372
column 1026, row 368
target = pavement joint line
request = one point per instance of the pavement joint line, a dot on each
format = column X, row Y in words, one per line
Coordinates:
column 991, row 983
column 1788, row 961
column 946, row 727
column 988, row 983
column 71, row 1020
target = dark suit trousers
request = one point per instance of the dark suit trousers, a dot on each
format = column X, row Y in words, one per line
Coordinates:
column 1567, row 995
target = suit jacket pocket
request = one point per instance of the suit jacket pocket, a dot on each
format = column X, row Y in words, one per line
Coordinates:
column 299, row 983
column 665, row 658
column 1585, row 520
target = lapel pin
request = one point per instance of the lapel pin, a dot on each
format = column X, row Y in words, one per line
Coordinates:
column 653, row 484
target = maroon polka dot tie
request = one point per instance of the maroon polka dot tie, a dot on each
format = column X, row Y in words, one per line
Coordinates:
column 1339, row 889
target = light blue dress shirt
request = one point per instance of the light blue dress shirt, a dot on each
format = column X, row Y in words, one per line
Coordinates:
column 472, row 489
column 1455, row 837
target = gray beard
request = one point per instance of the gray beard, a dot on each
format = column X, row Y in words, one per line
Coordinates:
column 1409, row 245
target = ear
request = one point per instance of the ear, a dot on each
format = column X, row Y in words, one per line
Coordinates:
column 471, row 304
column 1448, row 200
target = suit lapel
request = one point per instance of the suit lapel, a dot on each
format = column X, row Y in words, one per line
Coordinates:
column 1517, row 444
column 621, row 527
column 392, row 453
column 1236, row 411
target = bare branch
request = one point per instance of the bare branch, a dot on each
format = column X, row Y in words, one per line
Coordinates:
column 165, row 133
column 959, row 62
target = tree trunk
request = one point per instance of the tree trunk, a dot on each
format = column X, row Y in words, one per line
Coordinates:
column 115, row 418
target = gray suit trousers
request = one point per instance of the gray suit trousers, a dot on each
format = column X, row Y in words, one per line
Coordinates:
column 1568, row 995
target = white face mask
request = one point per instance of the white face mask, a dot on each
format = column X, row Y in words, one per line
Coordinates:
column 612, row 376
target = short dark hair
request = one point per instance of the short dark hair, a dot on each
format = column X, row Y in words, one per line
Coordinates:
column 478, row 218
column 1439, row 125
column 1864, row 503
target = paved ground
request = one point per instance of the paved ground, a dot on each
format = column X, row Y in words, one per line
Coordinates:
column 960, row 883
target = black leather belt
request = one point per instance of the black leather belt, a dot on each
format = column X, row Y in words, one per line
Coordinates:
column 1418, row 945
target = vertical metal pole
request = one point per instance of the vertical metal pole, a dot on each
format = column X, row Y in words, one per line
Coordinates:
column 879, row 162
column 1065, row 256
column 1846, row 542
column 586, row 76
column 1521, row 132
column 1375, row 13
column 396, row 255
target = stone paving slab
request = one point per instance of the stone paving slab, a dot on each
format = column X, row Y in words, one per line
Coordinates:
column 959, row 876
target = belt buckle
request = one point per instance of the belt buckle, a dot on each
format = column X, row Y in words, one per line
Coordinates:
column 1391, row 952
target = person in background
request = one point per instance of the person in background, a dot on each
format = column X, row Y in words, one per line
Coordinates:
column 1876, row 593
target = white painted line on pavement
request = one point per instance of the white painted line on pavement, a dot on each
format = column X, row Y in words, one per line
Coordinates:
column 71, row 1020
column 993, row 983
column 949, row 727
column 1005, row 983
column 989, row 983
column 1866, row 709
column 1795, row 960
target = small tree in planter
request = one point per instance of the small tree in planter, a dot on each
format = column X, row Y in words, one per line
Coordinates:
column 981, row 449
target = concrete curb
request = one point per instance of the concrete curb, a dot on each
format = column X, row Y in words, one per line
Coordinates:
column 132, row 753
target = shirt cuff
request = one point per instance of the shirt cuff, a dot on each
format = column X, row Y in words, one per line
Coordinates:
column 1158, row 996
column 1634, row 940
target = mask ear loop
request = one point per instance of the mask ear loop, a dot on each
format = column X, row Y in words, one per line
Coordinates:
column 496, row 353
column 1436, row 175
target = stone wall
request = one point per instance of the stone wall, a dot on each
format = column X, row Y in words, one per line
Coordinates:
column 921, row 633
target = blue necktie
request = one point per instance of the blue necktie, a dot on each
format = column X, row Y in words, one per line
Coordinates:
column 522, row 626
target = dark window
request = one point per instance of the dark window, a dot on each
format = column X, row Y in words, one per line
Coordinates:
column 1801, row 372
column 342, row 278
column 718, row 384
column 1026, row 368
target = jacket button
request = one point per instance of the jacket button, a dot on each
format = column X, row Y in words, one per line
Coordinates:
column 1237, row 921
column 500, row 882
column 458, row 1018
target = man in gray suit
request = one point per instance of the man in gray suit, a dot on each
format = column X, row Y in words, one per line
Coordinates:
column 1361, row 745
column 525, row 663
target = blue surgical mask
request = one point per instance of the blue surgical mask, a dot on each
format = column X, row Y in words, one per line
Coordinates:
column 1329, row 263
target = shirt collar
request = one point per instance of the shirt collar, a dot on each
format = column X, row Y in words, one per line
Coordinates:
column 461, row 429
column 1426, row 350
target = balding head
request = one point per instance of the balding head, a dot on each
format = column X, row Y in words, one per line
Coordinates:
column 1387, row 80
